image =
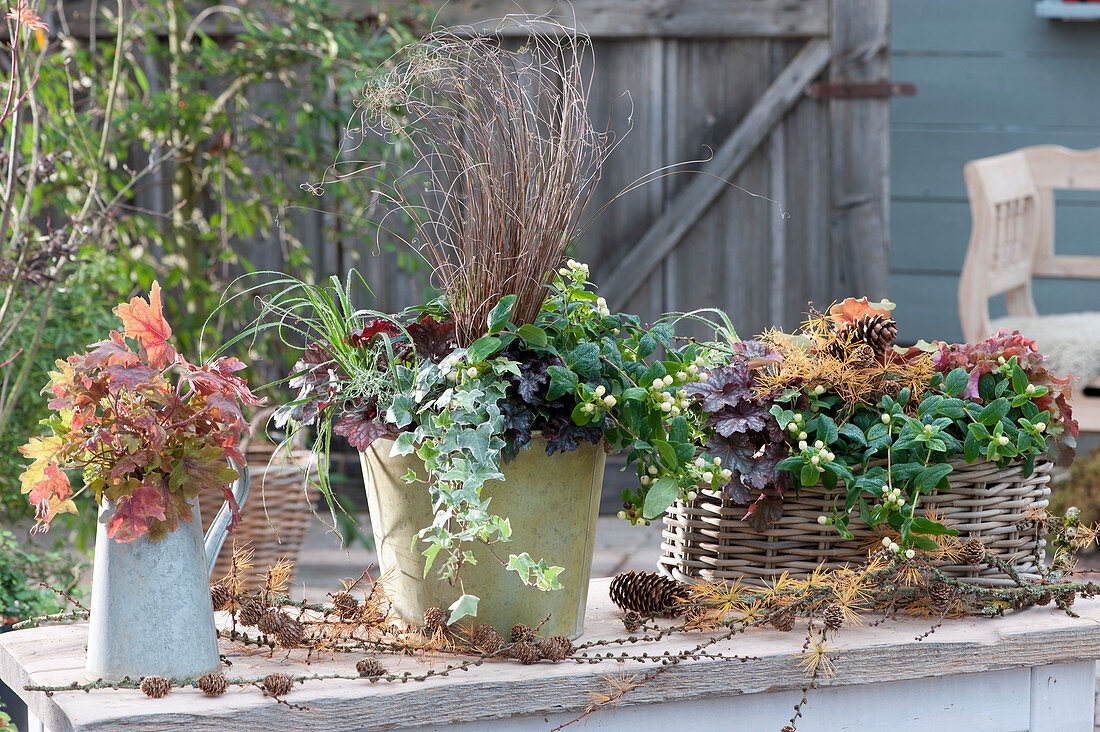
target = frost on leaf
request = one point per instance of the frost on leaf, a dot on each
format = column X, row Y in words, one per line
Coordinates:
column 144, row 322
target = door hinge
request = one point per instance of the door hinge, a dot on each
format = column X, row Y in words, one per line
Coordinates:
column 862, row 89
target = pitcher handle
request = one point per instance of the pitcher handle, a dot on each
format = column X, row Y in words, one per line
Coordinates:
column 216, row 534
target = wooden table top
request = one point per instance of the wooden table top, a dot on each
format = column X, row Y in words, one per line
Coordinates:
column 55, row 655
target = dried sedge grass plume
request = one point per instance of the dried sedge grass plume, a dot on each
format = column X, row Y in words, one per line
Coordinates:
column 507, row 159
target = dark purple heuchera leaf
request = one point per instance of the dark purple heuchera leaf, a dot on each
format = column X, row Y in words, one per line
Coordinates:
column 517, row 426
column 723, row 386
column 745, row 417
column 532, row 380
column 432, row 339
column 756, row 349
column 315, row 377
column 764, row 512
column 363, row 336
column 569, row 437
column 362, row 427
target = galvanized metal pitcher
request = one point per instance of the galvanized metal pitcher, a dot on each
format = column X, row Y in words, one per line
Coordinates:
column 151, row 612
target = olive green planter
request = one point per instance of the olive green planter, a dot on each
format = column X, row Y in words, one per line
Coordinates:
column 551, row 502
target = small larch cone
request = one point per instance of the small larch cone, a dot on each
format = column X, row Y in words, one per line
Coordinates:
column 272, row 622
column 521, row 633
column 291, row 634
column 1066, row 598
column 783, row 621
column 213, row 684
column 526, row 652
column 973, row 551
column 220, row 596
column 435, row 619
column 632, row 621
column 648, row 593
column 278, row 684
column 370, row 668
column 155, row 686
column 345, row 603
column 556, row 648
column 251, row 612
column 1043, row 599
column 890, row 388
column 487, row 639
column 862, row 355
column 833, row 617
column 940, row 595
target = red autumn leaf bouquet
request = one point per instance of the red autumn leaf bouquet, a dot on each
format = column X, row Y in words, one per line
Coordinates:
column 147, row 429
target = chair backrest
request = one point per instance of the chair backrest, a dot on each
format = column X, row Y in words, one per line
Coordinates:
column 1012, row 239
column 1004, row 205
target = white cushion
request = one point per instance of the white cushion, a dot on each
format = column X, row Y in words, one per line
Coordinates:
column 1071, row 342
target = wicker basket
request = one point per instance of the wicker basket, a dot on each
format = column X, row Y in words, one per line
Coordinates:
column 707, row 538
column 279, row 506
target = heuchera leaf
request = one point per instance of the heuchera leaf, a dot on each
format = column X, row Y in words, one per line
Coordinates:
column 362, row 427
column 110, row 352
column 132, row 378
column 219, row 377
column 432, row 339
column 362, row 337
column 144, row 322
column 130, row 520
column 724, row 386
column 746, row 417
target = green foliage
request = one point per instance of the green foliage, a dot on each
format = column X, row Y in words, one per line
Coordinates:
column 1004, row 424
column 22, row 569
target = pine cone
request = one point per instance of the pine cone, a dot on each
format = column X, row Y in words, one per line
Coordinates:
column 833, row 617
column 370, row 668
column 522, row 633
column 251, row 612
column 890, row 388
column 648, row 593
column 862, row 355
column 220, row 596
column 526, row 652
column 291, row 634
column 632, row 621
column 272, row 622
column 973, row 551
column 877, row 331
column 346, row 604
column 487, row 639
column 556, row 648
column 278, row 684
column 212, row 684
column 940, row 595
column 155, row 686
column 783, row 620
column 435, row 619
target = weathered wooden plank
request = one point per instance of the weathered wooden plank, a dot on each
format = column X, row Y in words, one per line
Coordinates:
column 860, row 149
column 627, row 89
column 718, row 264
column 500, row 690
column 808, row 267
column 648, row 18
column 663, row 236
column 928, row 163
column 986, row 26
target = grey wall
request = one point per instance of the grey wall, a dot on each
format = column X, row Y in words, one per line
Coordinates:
column 991, row 78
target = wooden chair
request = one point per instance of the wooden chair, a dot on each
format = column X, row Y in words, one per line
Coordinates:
column 1012, row 242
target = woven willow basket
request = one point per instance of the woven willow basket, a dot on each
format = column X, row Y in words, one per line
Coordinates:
column 707, row 538
column 278, row 510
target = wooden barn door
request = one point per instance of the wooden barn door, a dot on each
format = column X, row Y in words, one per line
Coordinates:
column 780, row 194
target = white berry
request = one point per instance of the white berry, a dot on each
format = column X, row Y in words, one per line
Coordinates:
column 609, row 401
column 471, row 372
column 886, row 541
column 819, row 389
column 909, row 554
column 885, row 419
column 802, row 445
column 668, row 380
column 652, row 470
column 823, row 520
column 601, row 390
column 658, row 384
column 1002, row 440
column 708, row 477
column 588, row 408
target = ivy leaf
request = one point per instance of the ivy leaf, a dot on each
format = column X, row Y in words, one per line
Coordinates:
column 659, row 497
column 130, row 520
column 501, row 312
column 144, row 322
column 462, row 607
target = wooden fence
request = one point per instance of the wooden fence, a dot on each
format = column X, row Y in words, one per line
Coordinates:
column 790, row 204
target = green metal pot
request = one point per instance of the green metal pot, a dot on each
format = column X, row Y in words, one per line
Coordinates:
column 551, row 502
